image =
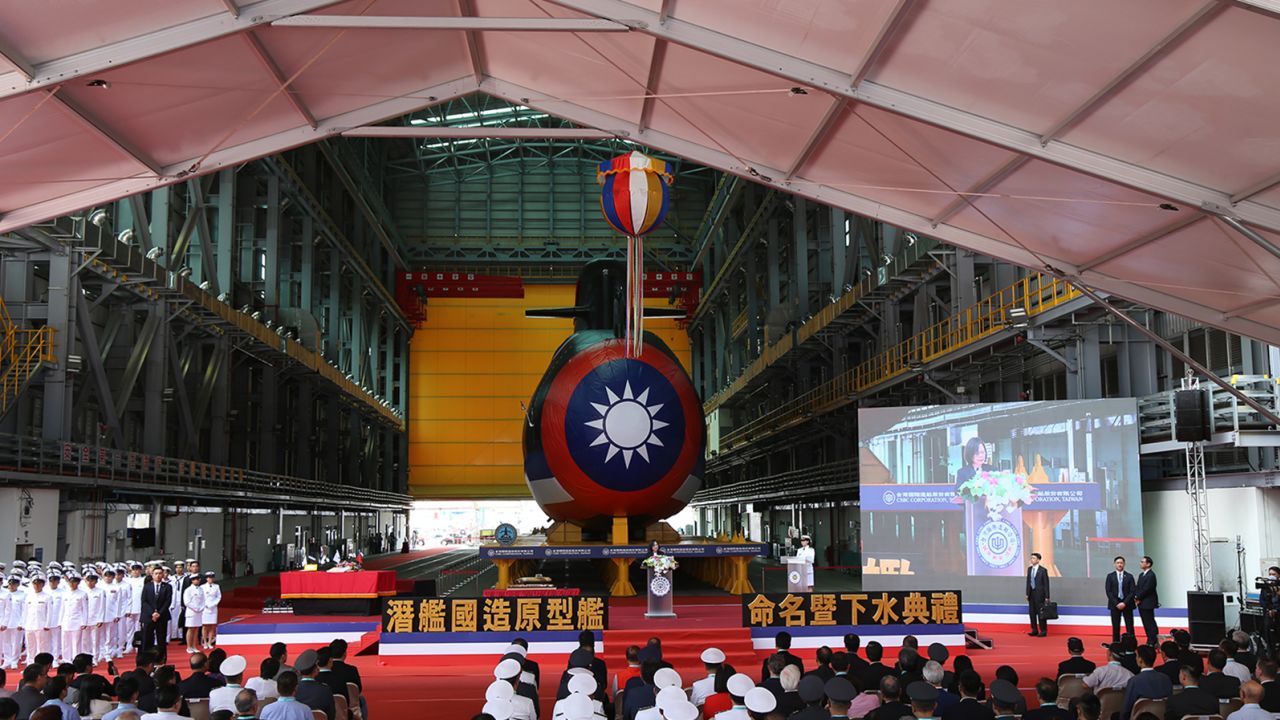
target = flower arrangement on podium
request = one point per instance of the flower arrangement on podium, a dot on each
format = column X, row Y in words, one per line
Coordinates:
column 660, row 563
column 999, row 490
column 345, row 567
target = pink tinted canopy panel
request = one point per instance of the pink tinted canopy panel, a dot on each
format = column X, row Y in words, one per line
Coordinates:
column 1104, row 141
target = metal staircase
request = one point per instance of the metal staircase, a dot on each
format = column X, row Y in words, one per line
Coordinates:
column 23, row 353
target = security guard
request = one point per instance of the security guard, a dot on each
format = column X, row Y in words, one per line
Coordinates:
column 814, row 697
column 840, row 692
column 1004, row 698
column 924, row 699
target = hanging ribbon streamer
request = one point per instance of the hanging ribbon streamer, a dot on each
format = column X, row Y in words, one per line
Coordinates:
column 635, row 190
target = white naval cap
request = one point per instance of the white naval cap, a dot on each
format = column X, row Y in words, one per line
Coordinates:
column 739, row 685
column 760, row 700
column 507, row 669
column 666, row 677
column 585, row 684
column 499, row 690
column 711, row 656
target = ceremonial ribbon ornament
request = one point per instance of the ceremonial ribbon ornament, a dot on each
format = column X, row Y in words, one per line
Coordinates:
column 633, row 198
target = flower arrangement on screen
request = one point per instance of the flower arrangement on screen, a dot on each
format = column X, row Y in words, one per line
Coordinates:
column 999, row 490
column 660, row 563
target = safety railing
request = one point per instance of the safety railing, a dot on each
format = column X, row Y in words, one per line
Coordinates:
column 23, row 351
column 1026, row 298
column 821, row 480
column 135, row 472
column 772, row 353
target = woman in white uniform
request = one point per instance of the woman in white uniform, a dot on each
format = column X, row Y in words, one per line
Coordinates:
column 806, row 555
column 193, row 601
column 212, row 596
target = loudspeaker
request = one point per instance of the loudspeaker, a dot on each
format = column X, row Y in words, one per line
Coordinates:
column 1206, row 617
column 1190, row 415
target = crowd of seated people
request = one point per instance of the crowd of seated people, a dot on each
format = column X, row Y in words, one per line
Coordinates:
column 1137, row 682
column 216, row 686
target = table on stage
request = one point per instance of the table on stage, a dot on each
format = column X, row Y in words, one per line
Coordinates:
column 329, row 593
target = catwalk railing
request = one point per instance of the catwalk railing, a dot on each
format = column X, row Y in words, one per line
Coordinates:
column 1002, row 310
column 30, row 459
column 860, row 293
column 23, row 351
column 837, row 478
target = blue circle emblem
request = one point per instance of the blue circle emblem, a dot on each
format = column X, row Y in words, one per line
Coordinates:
column 624, row 425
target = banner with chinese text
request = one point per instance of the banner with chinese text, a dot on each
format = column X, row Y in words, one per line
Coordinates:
column 896, row 607
column 494, row 614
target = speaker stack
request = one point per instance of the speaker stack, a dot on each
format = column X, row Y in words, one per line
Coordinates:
column 1190, row 415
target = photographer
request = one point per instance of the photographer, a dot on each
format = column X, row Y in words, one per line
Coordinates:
column 1269, row 597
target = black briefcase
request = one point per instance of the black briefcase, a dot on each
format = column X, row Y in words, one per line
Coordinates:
column 1049, row 611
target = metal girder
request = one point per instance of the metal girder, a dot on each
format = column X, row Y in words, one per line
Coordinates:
column 819, row 134
column 921, row 109
column 1139, row 242
column 475, row 50
column 11, row 58
column 91, row 349
column 159, row 42
column 232, row 8
column 478, row 24
column 142, row 346
column 983, row 185
column 502, row 133
column 884, row 38
column 355, row 186
column 1257, row 188
column 955, row 235
column 656, row 61
column 95, row 127
column 230, row 157
column 1164, row 46
column 281, row 80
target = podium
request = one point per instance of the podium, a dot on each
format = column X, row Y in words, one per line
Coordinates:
column 662, row 590
column 798, row 576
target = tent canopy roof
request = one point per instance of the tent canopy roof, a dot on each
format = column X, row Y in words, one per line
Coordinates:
column 1115, row 143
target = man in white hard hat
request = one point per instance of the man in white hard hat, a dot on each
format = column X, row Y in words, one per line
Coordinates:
column 713, row 661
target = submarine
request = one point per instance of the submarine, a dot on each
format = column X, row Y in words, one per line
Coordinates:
column 609, row 436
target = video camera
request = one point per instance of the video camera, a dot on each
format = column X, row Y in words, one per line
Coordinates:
column 1265, row 583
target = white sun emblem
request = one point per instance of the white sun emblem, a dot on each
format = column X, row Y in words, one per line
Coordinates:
column 627, row 425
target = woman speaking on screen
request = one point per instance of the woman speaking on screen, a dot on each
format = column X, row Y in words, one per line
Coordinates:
column 975, row 461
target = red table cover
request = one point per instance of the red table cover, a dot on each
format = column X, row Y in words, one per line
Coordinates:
column 364, row 584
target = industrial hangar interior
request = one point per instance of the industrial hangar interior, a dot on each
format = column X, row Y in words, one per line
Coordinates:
column 294, row 278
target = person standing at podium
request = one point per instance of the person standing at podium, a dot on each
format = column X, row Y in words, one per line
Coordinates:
column 807, row 556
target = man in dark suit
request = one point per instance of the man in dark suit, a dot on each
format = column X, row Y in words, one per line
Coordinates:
column 891, row 707
column 30, row 695
column 1147, row 600
column 773, row 683
column 969, row 708
column 1148, row 683
column 1187, row 656
column 856, row 664
column 1170, row 667
column 1037, row 596
column 86, row 682
column 1119, row 586
column 782, row 642
column 199, row 683
column 1047, row 691
column 1193, row 700
column 875, row 670
column 1077, row 664
column 157, row 596
column 1221, row 685
column 1266, row 674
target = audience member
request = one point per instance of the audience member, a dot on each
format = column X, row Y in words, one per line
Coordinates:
column 1243, row 654
column 30, row 694
column 1009, row 675
column 712, row 661
column 759, row 702
column 1088, row 707
column 1148, row 683
column 264, row 686
column 824, row 671
column 812, row 692
column 875, row 669
column 1251, row 694
column 840, row 693
column 720, row 700
column 782, row 643
column 789, row 700
column 168, row 700
column 55, row 696
column 774, row 664
column 352, row 674
column 287, row 707
column 738, row 686
column 1234, row 667
column 1112, row 676
column 891, row 705
column 1266, row 674
column 1186, row 655
column 224, row 698
column 934, row 675
column 316, row 696
column 246, row 705
column 9, row 708
column 200, row 682
column 1077, row 663
column 851, row 644
column 1170, row 667
column 280, row 653
column 961, row 664
column 1223, row 686
column 924, row 699
column 1005, row 698
column 1047, row 694
column 216, row 657
column 969, row 683
column 1193, row 700
column 127, row 693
